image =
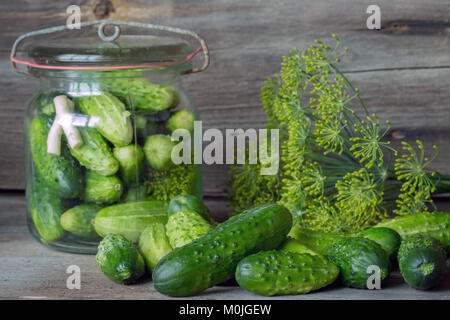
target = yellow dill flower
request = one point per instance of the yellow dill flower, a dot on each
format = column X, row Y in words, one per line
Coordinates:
column 368, row 147
column 418, row 183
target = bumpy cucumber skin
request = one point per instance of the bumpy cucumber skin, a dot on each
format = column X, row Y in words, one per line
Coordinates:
column 183, row 119
column 131, row 163
column 212, row 258
column 115, row 123
column 140, row 93
column 282, row 272
column 354, row 256
column 95, row 154
column 410, row 267
column 186, row 201
column 130, row 219
column 154, row 244
column 62, row 175
column 417, row 251
column 387, row 238
column 78, row 220
column 318, row 241
column 417, row 241
column 119, row 259
column 46, row 209
column 101, row 189
column 434, row 224
column 185, row 226
column 173, row 92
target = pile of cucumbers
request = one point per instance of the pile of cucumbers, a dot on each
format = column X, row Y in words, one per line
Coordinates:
column 103, row 189
column 187, row 252
column 117, row 162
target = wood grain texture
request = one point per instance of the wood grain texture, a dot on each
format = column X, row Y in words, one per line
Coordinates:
column 402, row 71
column 28, row 270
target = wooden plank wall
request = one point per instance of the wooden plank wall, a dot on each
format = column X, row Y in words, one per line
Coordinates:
column 402, row 70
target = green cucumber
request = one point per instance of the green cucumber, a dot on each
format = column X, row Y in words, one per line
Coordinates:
column 131, row 161
column 293, row 245
column 95, row 154
column 354, row 256
column 130, row 219
column 158, row 151
column 315, row 240
column 434, row 224
column 387, row 238
column 318, row 241
column 101, row 189
column 46, row 209
column 142, row 94
column 154, row 244
column 61, row 174
column 183, row 119
column 185, row 226
column 79, row 219
column 213, row 258
column 422, row 261
column 114, row 120
column 119, row 259
column 282, row 272
column 187, row 201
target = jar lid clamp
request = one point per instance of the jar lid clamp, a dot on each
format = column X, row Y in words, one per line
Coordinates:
column 187, row 57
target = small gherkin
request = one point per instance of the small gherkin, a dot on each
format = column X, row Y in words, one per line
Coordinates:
column 282, row 272
column 95, row 154
column 119, row 259
column 422, row 261
column 142, row 94
column 101, row 189
column 185, row 226
column 114, row 121
column 131, row 163
column 354, row 256
column 183, row 119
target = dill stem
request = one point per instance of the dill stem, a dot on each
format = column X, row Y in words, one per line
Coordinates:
column 442, row 187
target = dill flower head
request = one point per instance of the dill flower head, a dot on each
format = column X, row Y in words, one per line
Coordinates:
column 368, row 147
column 358, row 192
column 418, row 180
column 320, row 214
column 313, row 179
column 329, row 134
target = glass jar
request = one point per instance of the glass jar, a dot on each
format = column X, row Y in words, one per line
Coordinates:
column 98, row 132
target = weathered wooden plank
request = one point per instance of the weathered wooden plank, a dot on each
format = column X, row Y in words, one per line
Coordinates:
column 28, row 270
column 415, row 33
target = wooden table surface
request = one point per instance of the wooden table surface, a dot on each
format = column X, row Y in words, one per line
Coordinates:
column 28, row 270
